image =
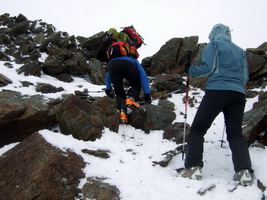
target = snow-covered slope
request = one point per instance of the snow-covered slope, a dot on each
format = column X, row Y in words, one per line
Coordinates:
column 132, row 152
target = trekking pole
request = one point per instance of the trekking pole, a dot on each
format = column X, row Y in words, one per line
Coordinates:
column 185, row 58
column 222, row 141
column 185, row 116
column 96, row 91
column 167, row 94
column 157, row 98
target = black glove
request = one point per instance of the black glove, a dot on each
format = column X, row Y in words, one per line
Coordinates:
column 109, row 93
column 187, row 67
column 147, row 98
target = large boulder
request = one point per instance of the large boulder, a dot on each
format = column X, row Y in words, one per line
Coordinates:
column 152, row 118
column 19, row 28
column 167, row 83
column 34, row 169
column 255, row 120
column 97, row 71
column 175, row 132
column 54, row 66
column 91, row 44
column 95, row 188
column 167, row 59
column 86, row 121
column 21, row 116
column 4, row 80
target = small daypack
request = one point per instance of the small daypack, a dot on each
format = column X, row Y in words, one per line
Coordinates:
column 134, row 35
column 119, row 49
column 109, row 37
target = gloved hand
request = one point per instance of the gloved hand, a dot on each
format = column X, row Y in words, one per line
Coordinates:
column 109, row 93
column 187, row 67
column 147, row 98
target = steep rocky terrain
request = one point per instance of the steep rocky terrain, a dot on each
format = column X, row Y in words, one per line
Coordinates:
column 40, row 50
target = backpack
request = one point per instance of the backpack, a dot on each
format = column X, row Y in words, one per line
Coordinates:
column 134, row 36
column 109, row 37
column 120, row 48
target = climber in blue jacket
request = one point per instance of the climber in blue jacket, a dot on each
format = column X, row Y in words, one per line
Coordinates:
column 225, row 65
column 128, row 68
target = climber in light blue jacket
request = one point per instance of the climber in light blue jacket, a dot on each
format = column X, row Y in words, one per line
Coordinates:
column 223, row 62
column 225, row 65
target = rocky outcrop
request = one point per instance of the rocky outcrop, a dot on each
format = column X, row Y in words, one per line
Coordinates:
column 34, row 169
column 96, row 188
column 152, row 118
column 39, row 49
column 85, row 121
column 27, row 40
column 4, row 80
column 167, row 59
column 167, row 83
column 21, row 116
column 255, row 120
column 175, row 132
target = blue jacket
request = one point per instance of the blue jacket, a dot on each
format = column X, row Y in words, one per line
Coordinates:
column 223, row 62
column 141, row 72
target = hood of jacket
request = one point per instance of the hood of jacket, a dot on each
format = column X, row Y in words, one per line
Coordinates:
column 220, row 31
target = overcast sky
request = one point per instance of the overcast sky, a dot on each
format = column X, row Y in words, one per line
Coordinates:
column 156, row 20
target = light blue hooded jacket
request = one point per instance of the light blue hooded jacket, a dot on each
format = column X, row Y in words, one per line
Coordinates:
column 223, row 62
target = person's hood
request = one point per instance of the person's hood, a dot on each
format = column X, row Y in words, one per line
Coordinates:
column 114, row 33
column 220, row 31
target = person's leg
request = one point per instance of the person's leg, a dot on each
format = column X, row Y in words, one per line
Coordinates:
column 131, row 74
column 233, row 114
column 209, row 108
column 117, row 76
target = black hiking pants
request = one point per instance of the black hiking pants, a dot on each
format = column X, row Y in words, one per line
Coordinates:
column 232, row 105
column 120, row 70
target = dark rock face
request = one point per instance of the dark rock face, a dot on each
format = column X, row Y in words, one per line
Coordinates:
column 34, row 169
column 167, row 59
column 98, row 189
column 166, row 83
column 4, row 80
column 26, row 40
column 21, row 117
column 255, row 121
column 86, row 121
column 175, row 132
column 153, row 118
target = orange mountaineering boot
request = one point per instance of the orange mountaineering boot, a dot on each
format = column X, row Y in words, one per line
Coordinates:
column 130, row 103
column 123, row 117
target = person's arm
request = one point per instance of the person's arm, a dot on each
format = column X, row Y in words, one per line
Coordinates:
column 244, row 71
column 208, row 62
column 143, row 78
column 108, row 81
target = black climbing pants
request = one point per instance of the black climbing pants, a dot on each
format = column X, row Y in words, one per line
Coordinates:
column 232, row 105
column 120, row 70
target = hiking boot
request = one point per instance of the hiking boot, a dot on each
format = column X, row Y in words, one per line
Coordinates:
column 244, row 177
column 123, row 118
column 192, row 173
column 130, row 103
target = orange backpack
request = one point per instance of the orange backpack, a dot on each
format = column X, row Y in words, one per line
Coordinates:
column 119, row 49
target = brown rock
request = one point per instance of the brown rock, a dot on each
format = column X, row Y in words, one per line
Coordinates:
column 85, row 121
column 21, row 116
column 34, row 169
